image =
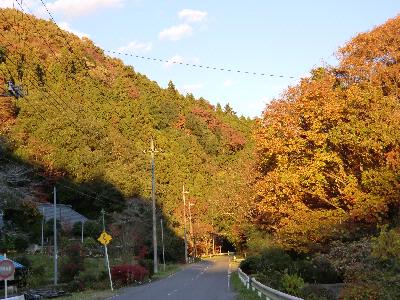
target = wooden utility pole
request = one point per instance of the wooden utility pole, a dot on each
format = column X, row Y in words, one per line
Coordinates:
column 184, row 222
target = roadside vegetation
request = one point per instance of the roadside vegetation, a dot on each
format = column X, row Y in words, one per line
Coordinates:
column 327, row 190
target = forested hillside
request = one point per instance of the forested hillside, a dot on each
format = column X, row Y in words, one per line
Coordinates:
column 87, row 120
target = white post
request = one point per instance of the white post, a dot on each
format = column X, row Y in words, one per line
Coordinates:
column 105, row 250
column 5, row 281
column 55, row 254
column 82, row 232
column 42, row 229
column 108, row 266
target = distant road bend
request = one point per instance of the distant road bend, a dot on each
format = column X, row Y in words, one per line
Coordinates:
column 206, row 280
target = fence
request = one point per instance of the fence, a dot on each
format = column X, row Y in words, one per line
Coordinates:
column 262, row 290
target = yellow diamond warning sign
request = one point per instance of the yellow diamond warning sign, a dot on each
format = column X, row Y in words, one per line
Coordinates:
column 104, row 238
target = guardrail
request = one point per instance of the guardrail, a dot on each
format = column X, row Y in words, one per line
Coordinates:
column 262, row 290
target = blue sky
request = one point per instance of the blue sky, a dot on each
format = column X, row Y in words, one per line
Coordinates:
column 285, row 37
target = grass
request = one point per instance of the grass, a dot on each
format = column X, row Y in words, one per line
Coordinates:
column 240, row 288
column 42, row 275
column 105, row 294
column 90, row 295
column 169, row 269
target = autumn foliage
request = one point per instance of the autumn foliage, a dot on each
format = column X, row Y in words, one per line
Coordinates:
column 328, row 150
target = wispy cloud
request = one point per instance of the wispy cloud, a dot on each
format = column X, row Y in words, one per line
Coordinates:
column 176, row 33
column 136, row 47
column 177, row 59
column 74, row 8
column 192, row 16
column 67, row 27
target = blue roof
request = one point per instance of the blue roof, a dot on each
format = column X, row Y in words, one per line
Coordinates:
column 16, row 265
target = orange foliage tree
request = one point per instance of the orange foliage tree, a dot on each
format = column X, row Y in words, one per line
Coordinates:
column 328, row 150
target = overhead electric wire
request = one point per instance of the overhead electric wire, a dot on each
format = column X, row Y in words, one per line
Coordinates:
column 41, row 91
column 47, row 91
column 231, row 70
column 66, row 105
column 36, row 85
column 69, row 187
column 70, row 48
column 34, row 107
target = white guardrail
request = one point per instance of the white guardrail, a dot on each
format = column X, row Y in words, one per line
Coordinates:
column 263, row 291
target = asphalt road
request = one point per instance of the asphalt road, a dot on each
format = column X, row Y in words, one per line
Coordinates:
column 207, row 280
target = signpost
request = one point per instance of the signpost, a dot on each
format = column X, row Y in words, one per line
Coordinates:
column 105, row 239
column 7, row 270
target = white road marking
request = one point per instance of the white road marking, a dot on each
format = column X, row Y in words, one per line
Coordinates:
column 174, row 291
column 229, row 273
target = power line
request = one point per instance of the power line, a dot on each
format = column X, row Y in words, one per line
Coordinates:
column 59, row 97
column 214, row 68
column 231, row 70
column 70, row 48
column 96, row 198
column 69, row 187
column 34, row 107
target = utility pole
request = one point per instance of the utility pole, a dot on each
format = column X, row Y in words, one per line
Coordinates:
column 82, row 232
column 42, row 229
column 184, row 222
column 55, row 236
column 162, row 241
column 191, row 231
column 213, row 233
column 153, row 151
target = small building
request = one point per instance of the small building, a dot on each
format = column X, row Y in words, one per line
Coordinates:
column 64, row 213
column 16, row 265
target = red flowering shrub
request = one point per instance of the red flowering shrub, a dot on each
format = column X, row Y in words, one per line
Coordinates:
column 128, row 274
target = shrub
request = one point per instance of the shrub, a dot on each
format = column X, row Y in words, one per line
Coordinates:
column 369, row 281
column 386, row 247
column 272, row 279
column 275, row 259
column 319, row 269
column 312, row 292
column 148, row 264
column 21, row 243
column 92, row 229
column 292, row 284
column 68, row 271
column 36, row 276
column 76, row 285
column 128, row 274
column 91, row 247
column 250, row 265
